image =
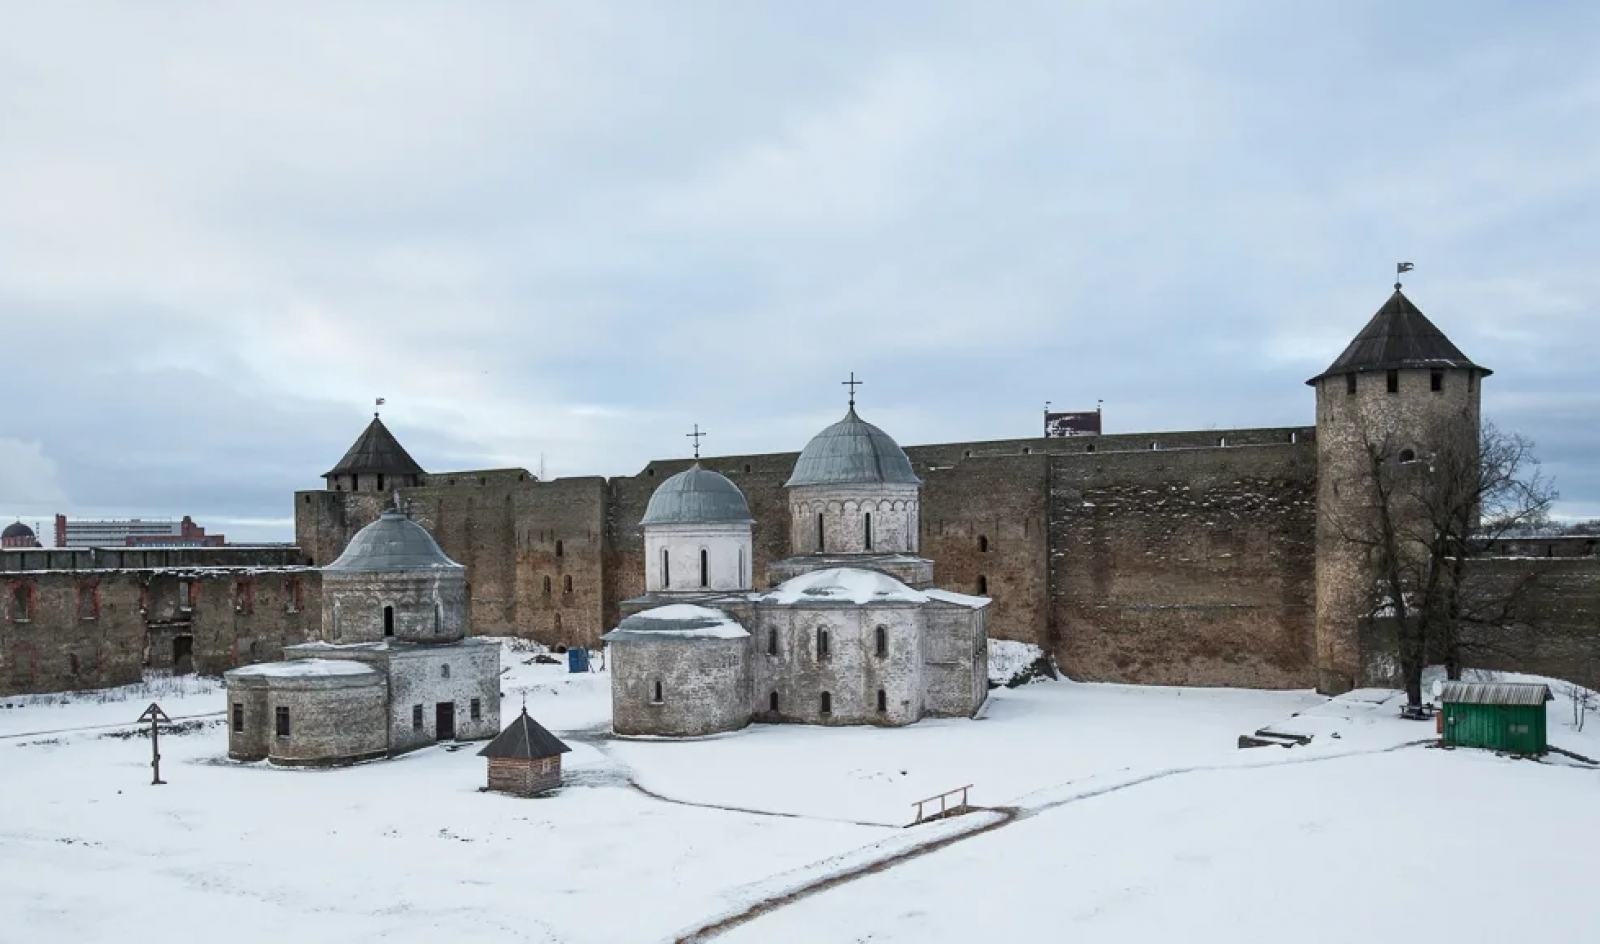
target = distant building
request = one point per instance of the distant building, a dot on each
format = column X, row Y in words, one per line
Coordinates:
column 18, row 535
column 133, row 532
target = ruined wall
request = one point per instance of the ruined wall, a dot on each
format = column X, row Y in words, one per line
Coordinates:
column 92, row 629
column 1187, row 566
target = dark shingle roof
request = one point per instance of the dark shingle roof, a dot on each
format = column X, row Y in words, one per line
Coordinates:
column 524, row 739
column 1399, row 335
column 1495, row 693
column 376, row 450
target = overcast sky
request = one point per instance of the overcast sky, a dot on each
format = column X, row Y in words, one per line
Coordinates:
column 572, row 230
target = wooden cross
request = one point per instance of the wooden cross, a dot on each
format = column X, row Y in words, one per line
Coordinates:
column 696, row 436
column 852, row 383
column 156, row 717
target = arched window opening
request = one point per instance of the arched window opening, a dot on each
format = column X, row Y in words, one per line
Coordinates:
column 380, row 483
column 827, row 703
column 983, row 544
column 657, row 699
column 355, row 483
column 744, row 581
column 1394, row 381
column 566, row 584
column 666, row 570
column 867, row 519
column 1089, row 448
column 555, row 624
column 747, row 467
column 705, row 568
column 822, row 643
column 772, row 702
column 772, row 642
column 1350, row 384
column 388, row 621
column 881, row 641
column 444, row 671
column 983, row 584
column 438, row 618
column 559, row 548
column 819, row 533
column 883, row 700
column 547, row 586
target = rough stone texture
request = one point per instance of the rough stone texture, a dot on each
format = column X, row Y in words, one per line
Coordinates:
column 704, row 686
column 332, row 719
column 426, row 607
column 1186, row 566
column 1344, row 586
column 956, row 664
column 833, row 519
column 852, row 673
column 1554, row 629
column 92, row 629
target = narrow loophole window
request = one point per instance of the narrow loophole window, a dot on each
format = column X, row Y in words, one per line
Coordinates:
column 705, row 568
column 881, row 641
column 827, row 703
column 1350, row 384
column 883, row 700
column 772, row 642
column 983, row 544
column 1436, row 381
column 282, row 718
column 983, row 584
column 868, row 522
column 772, row 702
column 666, row 570
column 819, row 533
column 656, row 694
column 1394, row 381
column 822, row 644
column 388, row 621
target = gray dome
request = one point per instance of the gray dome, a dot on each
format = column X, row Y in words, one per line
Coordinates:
column 852, row 452
column 18, row 530
column 697, row 496
column 394, row 543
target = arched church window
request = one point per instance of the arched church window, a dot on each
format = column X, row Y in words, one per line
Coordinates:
column 355, row 483
column 1393, row 378
column 827, row 703
column 336, row 620
column 881, row 641
column 546, row 586
column 438, row 618
column 883, row 700
column 1350, row 384
column 666, row 570
column 559, row 548
column 388, row 621
column 772, row 642
column 772, row 702
column 380, row 482
column 983, row 543
column 444, row 671
column 867, row 519
column 744, row 581
column 657, row 699
column 983, row 584
column 1089, row 448
column 19, row 604
column 822, row 643
column 819, row 533
column 566, row 584
column 705, row 568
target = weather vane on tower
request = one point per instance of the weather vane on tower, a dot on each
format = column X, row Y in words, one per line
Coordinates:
column 852, row 383
column 696, row 436
column 1400, row 268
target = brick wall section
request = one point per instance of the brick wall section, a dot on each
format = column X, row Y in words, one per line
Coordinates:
column 1185, row 567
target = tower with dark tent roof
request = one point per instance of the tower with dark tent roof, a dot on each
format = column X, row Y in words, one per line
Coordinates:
column 375, row 462
column 1402, row 385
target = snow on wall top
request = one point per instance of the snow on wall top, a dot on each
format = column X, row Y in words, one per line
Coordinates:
column 304, row 668
column 680, row 620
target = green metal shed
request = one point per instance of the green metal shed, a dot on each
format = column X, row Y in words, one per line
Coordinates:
column 1501, row 716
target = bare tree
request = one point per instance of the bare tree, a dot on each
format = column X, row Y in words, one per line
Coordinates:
column 1432, row 499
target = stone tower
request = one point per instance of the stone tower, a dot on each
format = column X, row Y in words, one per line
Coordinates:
column 697, row 535
column 1401, row 383
column 375, row 462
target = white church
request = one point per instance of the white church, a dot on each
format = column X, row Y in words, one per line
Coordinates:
column 854, row 633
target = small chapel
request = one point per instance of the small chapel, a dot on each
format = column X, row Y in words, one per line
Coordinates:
column 853, row 632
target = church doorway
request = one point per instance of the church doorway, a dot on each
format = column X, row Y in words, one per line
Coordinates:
column 182, row 655
column 444, row 721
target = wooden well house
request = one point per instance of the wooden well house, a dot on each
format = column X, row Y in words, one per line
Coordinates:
column 524, row 759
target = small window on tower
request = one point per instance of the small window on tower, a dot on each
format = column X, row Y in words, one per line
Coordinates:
column 883, row 700
column 983, row 584
column 559, row 549
column 416, row 717
column 705, row 568
column 868, row 520
column 881, row 641
column 1394, row 381
column 566, row 584
column 1408, row 455
column 238, row 718
column 388, row 621
column 772, row 702
column 547, row 586
column 827, row 703
column 822, row 644
column 1436, row 381
column 444, row 671
column 380, row 483
column 1350, row 384
column 281, row 715
column 983, row 544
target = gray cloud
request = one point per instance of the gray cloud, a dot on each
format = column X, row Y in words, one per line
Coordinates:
column 570, row 230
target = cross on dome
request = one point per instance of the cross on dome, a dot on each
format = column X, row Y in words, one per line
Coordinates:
column 852, row 383
column 697, row 435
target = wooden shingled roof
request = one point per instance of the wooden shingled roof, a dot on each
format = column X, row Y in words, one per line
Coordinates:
column 524, row 739
column 376, row 450
column 1398, row 336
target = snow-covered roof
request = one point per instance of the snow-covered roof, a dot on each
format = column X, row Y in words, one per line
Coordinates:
column 303, row 668
column 853, row 585
column 1495, row 693
column 392, row 544
column 959, row 599
column 680, row 620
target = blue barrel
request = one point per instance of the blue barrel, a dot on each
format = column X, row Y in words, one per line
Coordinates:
column 577, row 660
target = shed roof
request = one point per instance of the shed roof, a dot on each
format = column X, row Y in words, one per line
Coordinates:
column 1399, row 335
column 524, row 739
column 1495, row 693
column 376, row 450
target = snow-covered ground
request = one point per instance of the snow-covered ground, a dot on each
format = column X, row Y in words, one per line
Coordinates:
column 1125, row 813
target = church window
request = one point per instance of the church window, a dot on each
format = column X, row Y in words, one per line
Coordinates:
column 438, row 618
column 657, row 699
column 475, row 709
column 546, row 586
column 772, row 702
column 743, row 581
column 666, row 570
column 444, row 670
column 1027, row 450
column 388, row 621
column 336, row 620
column 566, row 584
column 1294, row 437
column 1436, row 381
column 650, row 472
column 868, row 520
column 705, row 569
column 819, row 533
column 772, row 642
column 238, row 718
column 1154, row 445
column 380, row 482
column 883, row 700
column 281, row 716
column 1394, row 381
column 559, row 549
column 555, row 624
column 983, row 544
column 983, row 584
column 416, row 717
column 1350, row 384
column 881, row 641
column 822, row 644
column 1222, row 440
column 827, row 703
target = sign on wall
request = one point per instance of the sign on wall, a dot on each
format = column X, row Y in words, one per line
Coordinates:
column 1062, row 425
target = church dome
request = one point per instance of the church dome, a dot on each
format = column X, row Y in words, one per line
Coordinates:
column 697, row 496
column 852, row 452
column 394, row 543
column 18, row 530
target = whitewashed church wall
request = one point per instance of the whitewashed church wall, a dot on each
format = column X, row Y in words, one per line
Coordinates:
column 851, row 672
column 957, row 670
column 331, row 720
column 416, row 677
column 254, row 742
column 427, row 608
column 844, row 510
column 704, row 686
column 728, row 552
